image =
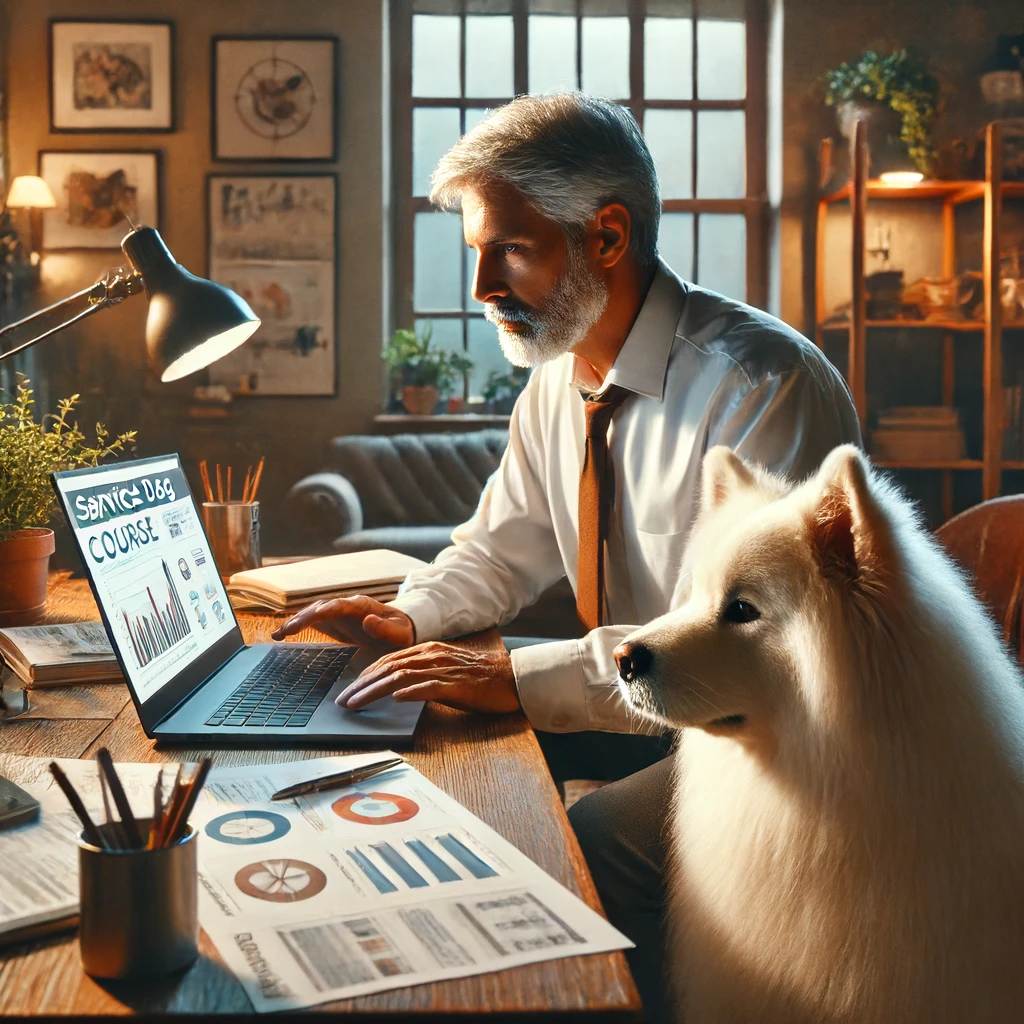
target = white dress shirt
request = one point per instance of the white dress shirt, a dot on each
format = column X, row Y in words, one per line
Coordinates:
column 704, row 370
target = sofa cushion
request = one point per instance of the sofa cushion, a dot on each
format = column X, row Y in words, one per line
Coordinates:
column 419, row 541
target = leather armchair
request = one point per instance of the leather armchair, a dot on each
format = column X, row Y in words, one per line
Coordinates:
column 407, row 492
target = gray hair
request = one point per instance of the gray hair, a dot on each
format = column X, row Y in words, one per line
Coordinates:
column 569, row 154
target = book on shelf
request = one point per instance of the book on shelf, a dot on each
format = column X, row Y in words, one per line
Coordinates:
column 925, row 433
column 377, row 573
column 60, row 653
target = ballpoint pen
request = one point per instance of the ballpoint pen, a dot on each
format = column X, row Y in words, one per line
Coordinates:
column 346, row 778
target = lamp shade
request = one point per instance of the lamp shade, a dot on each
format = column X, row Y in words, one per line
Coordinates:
column 192, row 322
column 30, row 192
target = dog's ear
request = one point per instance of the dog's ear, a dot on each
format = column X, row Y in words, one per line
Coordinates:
column 845, row 526
column 722, row 473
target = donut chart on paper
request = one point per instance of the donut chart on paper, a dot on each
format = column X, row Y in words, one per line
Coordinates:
column 247, row 828
column 375, row 808
column 281, row 881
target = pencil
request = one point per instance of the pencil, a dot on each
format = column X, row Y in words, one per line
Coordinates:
column 158, row 810
column 229, row 483
column 115, row 839
column 204, row 473
column 171, row 807
column 256, row 479
column 220, row 488
column 128, row 822
column 245, row 486
column 91, row 831
column 192, row 794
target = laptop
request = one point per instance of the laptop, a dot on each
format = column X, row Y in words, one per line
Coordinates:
column 191, row 676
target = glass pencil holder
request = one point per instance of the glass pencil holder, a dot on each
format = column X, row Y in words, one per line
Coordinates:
column 233, row 528
column 139, row 915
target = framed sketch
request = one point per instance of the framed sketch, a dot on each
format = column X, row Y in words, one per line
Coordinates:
column 111, row 76
column 273, row 240
column 99, row 194
column 274, row 98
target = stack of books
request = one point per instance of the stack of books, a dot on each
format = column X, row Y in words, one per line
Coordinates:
column 378, row 574
column 919, row 433
column 59, row 654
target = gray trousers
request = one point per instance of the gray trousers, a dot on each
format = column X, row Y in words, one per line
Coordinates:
column 620, row 828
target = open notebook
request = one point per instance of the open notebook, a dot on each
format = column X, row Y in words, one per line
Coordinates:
column 377, row 573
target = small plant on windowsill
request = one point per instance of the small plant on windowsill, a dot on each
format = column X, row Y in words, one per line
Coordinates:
column 502, row 389
column 30, row 451
column 420, row 372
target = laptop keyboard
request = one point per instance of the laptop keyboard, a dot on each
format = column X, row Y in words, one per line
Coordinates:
column 285, row 688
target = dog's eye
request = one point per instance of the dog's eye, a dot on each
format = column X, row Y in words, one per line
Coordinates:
column 740, row 611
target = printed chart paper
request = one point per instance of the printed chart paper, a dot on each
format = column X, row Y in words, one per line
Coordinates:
column 356, row 890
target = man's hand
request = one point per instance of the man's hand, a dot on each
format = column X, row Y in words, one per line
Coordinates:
column 353, row 620
column 468, row 680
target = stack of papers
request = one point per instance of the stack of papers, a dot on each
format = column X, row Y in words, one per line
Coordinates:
column 58, row 654
column 377, row 574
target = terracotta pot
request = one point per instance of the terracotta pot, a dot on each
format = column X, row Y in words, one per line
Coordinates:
column 420, row 400
column 24, row 560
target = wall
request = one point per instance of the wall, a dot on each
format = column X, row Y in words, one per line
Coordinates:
column 957, row 35
column 104, row 358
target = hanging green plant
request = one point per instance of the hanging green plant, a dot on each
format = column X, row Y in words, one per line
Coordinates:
column 901, row 81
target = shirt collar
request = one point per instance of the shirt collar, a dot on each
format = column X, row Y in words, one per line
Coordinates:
column 641, row 363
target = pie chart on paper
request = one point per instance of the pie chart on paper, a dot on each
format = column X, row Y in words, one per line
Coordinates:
column 375, row 808
column 281, row 881
column 247, row 828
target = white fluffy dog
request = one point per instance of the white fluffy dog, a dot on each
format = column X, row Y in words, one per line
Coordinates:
column 849, row 813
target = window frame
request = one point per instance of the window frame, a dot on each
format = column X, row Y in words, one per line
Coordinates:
column 404, row 205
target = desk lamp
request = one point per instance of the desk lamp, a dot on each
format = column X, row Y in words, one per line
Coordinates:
column 191, row 323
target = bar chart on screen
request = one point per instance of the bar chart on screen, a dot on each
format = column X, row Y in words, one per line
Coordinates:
column 422, row 861
column 152, row 612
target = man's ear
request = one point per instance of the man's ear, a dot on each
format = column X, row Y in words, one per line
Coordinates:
column 723, row 473
column 847, row 528
column 611, row 229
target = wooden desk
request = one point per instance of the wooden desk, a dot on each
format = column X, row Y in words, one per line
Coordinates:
column 492, row 765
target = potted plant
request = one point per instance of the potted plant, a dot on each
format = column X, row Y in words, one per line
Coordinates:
column 896, row 94
column 502, row 389
column 29, row 452
column 421, row 372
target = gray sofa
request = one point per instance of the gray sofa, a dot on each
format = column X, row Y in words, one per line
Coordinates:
column 407, row 492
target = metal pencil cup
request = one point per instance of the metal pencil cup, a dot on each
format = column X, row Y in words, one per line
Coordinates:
column 139, row 910
column 234, row 532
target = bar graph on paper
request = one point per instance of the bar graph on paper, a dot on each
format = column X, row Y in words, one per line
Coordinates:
column 402, row 865
column 153, row 613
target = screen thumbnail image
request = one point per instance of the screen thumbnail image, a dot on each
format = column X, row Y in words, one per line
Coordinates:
column 152, row 612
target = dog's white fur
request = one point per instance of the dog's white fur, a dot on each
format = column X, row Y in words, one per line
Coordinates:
column 854, row 849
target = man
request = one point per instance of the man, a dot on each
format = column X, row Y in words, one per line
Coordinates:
column 560, row 202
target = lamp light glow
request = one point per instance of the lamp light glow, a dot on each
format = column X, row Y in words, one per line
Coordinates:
column 901, row 179
column 30, row 192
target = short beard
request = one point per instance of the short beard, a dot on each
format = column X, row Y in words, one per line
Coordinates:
column 560, row 322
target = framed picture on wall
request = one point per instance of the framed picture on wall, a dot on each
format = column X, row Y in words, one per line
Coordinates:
column 99, row 195
column 274, row 98
column 273, row 239
column 111, row 76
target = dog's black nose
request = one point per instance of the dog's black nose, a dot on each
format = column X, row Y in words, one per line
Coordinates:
column 634, row 660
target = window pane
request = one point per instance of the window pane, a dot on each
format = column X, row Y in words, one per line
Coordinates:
column 446, row 335
column 669, row 139
column 485, row 351
column 474, row 115
column 606, row 57
column 489, row 55
column 435, row 55
column 437, row 261
column 721, row 60
column 675, row 242
column 551, row 53
column 668, row 58
column 434, row 131
column 720, row 154
column 722, row 253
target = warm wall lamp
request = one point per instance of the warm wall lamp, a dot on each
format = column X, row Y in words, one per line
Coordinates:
column 30, row 192
column 192, row 322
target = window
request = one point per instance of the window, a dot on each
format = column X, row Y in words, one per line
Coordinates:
column 691, row 71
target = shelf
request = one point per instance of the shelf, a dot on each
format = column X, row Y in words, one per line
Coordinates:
column 955, row 192
column 933, row 464
column 1012, row 464
column 965, row 326
column 479, row 419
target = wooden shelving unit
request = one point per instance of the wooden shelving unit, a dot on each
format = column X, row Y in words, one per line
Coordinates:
column 992, row 192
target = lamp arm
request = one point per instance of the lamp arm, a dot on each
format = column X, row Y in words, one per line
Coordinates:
column 112, row 288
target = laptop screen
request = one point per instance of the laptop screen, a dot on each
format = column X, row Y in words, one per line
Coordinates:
column 143, row 545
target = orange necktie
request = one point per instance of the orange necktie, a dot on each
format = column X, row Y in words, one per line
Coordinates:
column 595, row 507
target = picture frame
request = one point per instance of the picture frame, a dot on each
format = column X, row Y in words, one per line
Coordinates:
column 274, row 98
column 99, row 194
column 111, row 75
column 273, row 239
